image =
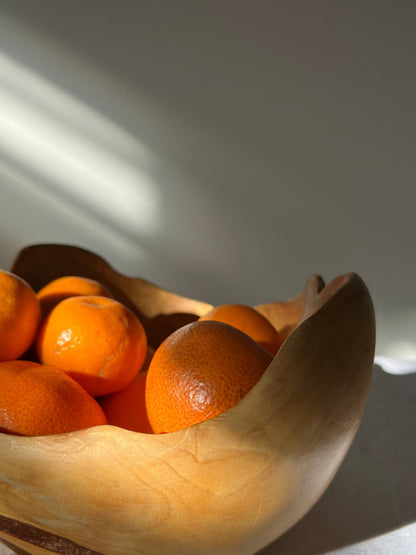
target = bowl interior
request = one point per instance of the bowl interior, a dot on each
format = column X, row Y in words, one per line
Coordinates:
column 251, row 472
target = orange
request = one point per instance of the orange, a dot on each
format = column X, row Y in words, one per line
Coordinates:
column 96, row 340
column 68, row 286
column 198, row 372
column 248, row 320
column 19, row 316
column 127, row 408
column 42, row 400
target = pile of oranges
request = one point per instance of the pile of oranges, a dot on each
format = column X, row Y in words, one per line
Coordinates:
column 72, row 357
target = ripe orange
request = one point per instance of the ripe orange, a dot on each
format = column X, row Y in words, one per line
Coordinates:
column 19, row 316
column 68, row 286
column 199, row 371
column 96, row 340
column 248, row 320
column 42, row 400
column 127, row 408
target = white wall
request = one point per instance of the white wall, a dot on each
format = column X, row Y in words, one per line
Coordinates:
column 224, row 150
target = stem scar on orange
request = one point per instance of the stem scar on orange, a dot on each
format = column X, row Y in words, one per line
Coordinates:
column 96, row 340
column 19, row 316
column 42, row 400
column 198, row 372
column 248, row 320
column 68, row 286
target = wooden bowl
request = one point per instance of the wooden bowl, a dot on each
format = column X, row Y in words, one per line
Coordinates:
column 229, row 485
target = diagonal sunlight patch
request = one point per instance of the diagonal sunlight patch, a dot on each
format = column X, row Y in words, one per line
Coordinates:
column 396, row 350
column 398, row 541
column 396, row 365
column 45, row 212
column 75, row 153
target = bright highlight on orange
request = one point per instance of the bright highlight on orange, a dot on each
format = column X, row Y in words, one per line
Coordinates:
column 41, row 400
column 19, row 316
column 96, row 340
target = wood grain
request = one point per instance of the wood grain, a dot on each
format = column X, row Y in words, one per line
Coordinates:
column 40, row 541
column 229, row 485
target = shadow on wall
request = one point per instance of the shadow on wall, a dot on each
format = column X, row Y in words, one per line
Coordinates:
column 72, row 158
column 75, row 176
column 374, row 491
column 220, row 167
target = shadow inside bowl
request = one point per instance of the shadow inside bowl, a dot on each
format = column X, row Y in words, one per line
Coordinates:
column 252, row 472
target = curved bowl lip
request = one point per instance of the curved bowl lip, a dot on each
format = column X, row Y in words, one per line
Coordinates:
column 314, row 287
column 99, row 259
column 315, row 298
column 325, row 293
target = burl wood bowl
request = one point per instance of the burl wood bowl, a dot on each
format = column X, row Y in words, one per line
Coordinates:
column 230, row 485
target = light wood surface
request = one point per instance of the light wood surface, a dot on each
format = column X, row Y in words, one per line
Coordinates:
column 229, row 485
